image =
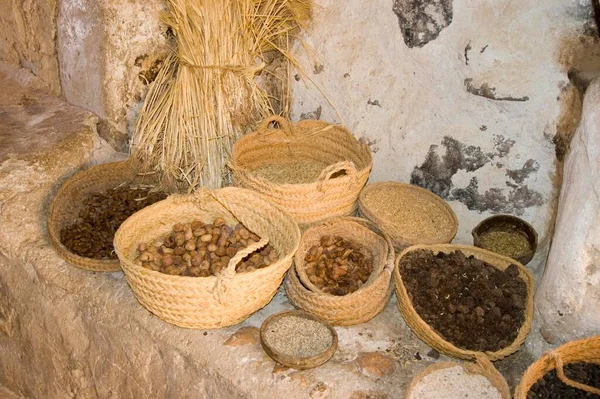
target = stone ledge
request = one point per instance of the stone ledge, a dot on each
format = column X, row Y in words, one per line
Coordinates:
column 66, row 332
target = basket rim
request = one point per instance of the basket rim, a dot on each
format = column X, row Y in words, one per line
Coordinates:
column 454, row 350
column 403, row 241
column 81, row 262
column 546, row 364
column 189, row 280
column 360, row 223
column 235, row 165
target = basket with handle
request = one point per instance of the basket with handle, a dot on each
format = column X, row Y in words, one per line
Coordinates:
column 584, row 350
column 68, row 201
column 214, row 301
column 426, row 333
column 337, row 166
column 482, row 366
column 359, row 306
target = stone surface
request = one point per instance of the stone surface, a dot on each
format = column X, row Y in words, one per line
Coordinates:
column 476, row 115
column 568, row 297
column 27, row 38
column 109, row 51
column 422, row 21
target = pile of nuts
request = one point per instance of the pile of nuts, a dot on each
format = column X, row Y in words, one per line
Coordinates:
column 197, row 249
column 338, row 266
column 93, row 232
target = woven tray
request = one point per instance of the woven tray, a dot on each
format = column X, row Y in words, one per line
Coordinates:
column 429, row 335
column 214, row 301
column 346, row 166
column 583, row 350
column 67, row 203
column 359, row 306
column 482, row 366
column 401, row 230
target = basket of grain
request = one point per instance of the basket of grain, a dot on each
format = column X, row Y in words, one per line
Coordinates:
column 464, row 300
column 409, row 214
column 570, row 371
column 226, row 295
column 88, row 208
column 342, row 271
column 459, row 380
column 312, row 169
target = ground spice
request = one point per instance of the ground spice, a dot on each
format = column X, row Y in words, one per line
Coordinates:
column 509, row 243
column 408, row 214
column 292, row 172
column 454, row 383
column 298, row 337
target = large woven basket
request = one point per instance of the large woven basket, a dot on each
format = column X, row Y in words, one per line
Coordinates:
column 67, row 203
column 333, row 193
column 435, row 340
column 583, row 350
column 359, row 306
column 400, row 232
column 482, row 366
column 214, row 301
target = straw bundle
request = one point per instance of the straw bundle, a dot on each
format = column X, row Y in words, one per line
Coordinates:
column 207, row 92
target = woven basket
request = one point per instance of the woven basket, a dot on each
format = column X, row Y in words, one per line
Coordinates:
column 482, row 366
column 67, row 203
column 403, row 237
column 583, row 350
column 308, row 141
column 361, row 305
column 429, row 335
column 214, row 301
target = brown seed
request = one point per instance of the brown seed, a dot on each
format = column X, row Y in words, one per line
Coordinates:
column 179, row 251
column 196, row 260
column 221, row 251
column 178, row 227
column 179, row 239
column 144, row 257
column 189, row 235
column 165, row 250
column 212, row 247
column 245, row 234
column 219, row 222
column 206, row 238
column 197, row 225
column 166, row 260
column 190, row 245
column 142, row 247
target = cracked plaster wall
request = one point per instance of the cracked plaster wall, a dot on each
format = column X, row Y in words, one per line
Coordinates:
column 464, row 98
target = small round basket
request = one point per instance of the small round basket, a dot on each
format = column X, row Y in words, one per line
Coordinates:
column 409, row 214
column 316, row 169
column 214, row 301
column 482, row 366
column 435, row 340
column 509, row 224
column 67, row 203
column 359, row 306
column 300, row 363
column 583, row 350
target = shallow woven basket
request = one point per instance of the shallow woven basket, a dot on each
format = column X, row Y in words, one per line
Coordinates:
column 482, row 366
column 429, row 335
column 67, row 203
column 214, row 301
column 361, row 305
column 333, row 193
column 403, row 238
column 583, row 350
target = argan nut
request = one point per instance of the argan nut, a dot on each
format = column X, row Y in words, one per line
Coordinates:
column 206, row 237
column 165, row 250
column 221, row 251
column 218, row 222
column 179, row 251
column 178, row 227
column 188, row 235
column 166, row 260
column 196, row 260
column 142, row 247
column 197, row 225
column 212, row 247
column 179, row 239
column 190, row 245
column 245, row 234
column 144, row 257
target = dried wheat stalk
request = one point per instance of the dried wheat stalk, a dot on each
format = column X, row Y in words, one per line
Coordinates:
column 206, row 94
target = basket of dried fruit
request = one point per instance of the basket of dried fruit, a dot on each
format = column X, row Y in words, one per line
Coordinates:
column 342, row 271
column 312, row 169
column 409, row 214
column 89, row 207
column 208, row 259
column 570, row 371
column 464, row 300
column 459, row 380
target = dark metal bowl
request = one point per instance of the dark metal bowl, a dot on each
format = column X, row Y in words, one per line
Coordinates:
column 507, row 223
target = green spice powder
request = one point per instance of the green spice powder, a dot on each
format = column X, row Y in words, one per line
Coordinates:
column 508, row 243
